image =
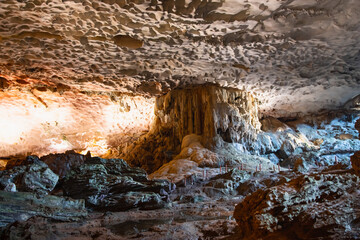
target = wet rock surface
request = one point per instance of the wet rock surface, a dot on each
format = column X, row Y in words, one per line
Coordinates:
column 20, row 206
column 35, row 177
column 111, row 184
column 206, row 220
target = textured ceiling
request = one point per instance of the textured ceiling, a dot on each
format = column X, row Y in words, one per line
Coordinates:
column 297, row 55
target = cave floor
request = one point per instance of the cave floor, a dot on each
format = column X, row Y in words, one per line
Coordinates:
column 201, row 220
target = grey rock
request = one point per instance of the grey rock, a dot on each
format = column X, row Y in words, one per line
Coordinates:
column 111, row 184
column 261, row 181
column 20, row 206
column 125, row 201
column 35, row 177
column 11, row 187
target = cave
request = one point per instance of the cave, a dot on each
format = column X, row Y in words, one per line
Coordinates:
column 146, row 119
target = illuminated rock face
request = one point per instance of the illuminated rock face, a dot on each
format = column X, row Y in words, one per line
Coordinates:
column 218, row 115
column 210, row 111
column 51, row 121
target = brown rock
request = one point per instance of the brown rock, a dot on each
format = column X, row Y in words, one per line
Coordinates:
column 127, row 41
column 357, row 126
column 272, row 124
column 355, row 159
column 217, row 114
column 61, row 163
column 345, row 136
column 318, row 141
column 355, row 162
column 309, row 207
column 4, row 82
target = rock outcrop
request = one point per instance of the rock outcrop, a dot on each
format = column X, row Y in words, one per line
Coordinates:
column 218, row 115
column 61, row 163
column 110, row 184
column 35, row 177
column 318, row 206
column 20, row 206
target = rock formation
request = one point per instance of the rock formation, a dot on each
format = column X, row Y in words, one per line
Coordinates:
column 35, row 177
column 218, row 115
column 221, row 102
column 110, row 184
column 310, row 206
column 20, row 206
column 62, row 163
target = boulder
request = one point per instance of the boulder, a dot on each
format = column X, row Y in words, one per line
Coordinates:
column 229, row 181
column 271, row 124
column 36, row 177
column 61, row 163
column 301, row 166
column 111, row 184
column 323, row 206
column 262, row 181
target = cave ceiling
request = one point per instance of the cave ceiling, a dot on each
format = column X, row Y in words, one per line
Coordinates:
column 294, row 55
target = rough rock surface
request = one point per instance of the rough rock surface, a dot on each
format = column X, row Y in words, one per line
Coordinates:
column 355, row 162
column 20, row 206
column 44, row 122
column 355, row 159
column 315, row 206
column 295, row 54
column 68, row 67
column 35, row 177
column 194, row 160
column 317, row 139
column 62, row 163
column 191, row 221
column 110, row 184
column 217, row 115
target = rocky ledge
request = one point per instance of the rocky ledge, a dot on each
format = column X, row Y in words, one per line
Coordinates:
column 93, row 182
column 112, row 184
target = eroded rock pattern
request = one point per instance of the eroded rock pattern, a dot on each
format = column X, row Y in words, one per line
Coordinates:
column 290, row 52
column 110, row 184
column 217, row 115
column 312, row 206
column 35, row 177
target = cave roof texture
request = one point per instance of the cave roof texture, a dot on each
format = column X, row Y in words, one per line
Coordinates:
column 294, row 55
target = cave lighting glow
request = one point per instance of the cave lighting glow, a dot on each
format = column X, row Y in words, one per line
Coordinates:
column 21, row 117
column 70, row 121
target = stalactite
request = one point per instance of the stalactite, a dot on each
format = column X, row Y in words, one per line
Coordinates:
column 216, row 113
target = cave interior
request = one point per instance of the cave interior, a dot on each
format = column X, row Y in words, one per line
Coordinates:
column 174, row 119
